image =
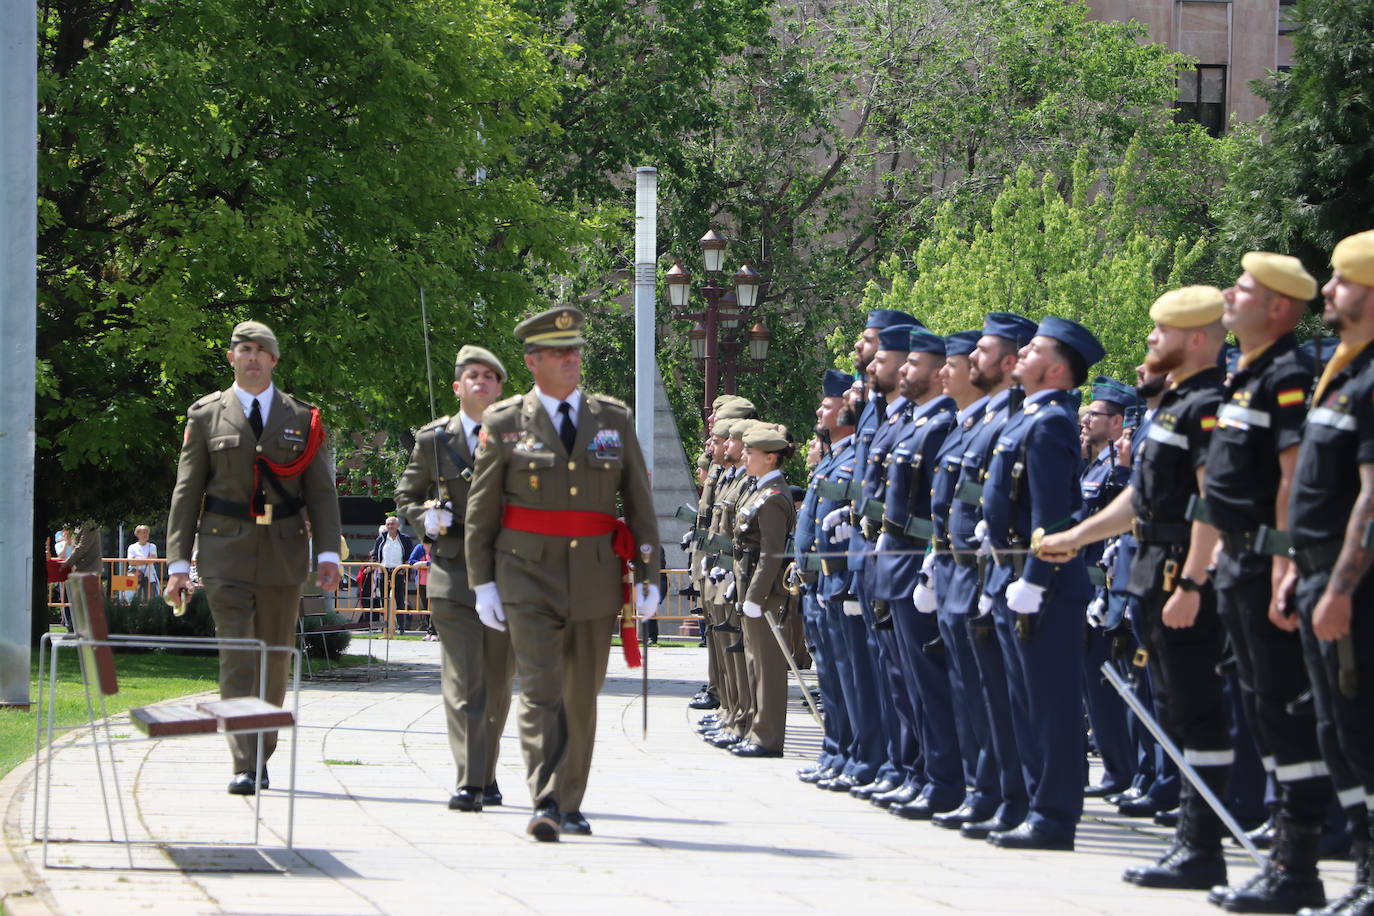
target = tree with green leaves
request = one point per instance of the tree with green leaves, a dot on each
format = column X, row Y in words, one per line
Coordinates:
column 313, row 166
column 1304, row 172
column 1081, row 254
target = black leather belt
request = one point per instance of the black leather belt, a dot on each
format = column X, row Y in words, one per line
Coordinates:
column 244, row 512
column 1317, row 557
column 1161, row 532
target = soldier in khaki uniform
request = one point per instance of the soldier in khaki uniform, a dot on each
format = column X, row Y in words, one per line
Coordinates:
column 548, row 556
column 253, row 463
column 477, row 660
column 764, row 520
column 722, row 592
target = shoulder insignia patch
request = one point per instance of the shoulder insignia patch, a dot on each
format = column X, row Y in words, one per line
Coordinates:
column 1290, row 397
column 1208, row 422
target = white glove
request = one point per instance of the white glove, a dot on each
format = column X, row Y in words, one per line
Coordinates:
column 852, row 608
column 928, row 567
column 730, row 589
column 436, row 520
column 686, row 541
column 704, row 573
column 980, row 530
column 925, row 599
column 719, row 574
column 646, row 600
column 752, row 609
column 834, row 517
column 841, row 533
column 1109, row 555
column 489, row 607
column 1024, row 598
column 1097, row 612
column 985, row 603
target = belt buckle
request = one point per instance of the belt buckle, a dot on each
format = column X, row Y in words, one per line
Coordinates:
column 266, row 517
column 1135, row 530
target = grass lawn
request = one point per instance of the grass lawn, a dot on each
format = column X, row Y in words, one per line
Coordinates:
column 144, row 678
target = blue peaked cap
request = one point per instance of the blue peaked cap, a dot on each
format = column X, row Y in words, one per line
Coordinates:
column 1114, row 392
column 1016, row 328
column 896, row 337
column 962, row 343
column 922, row 341
column 1074, row 335
column 886, row 318
column 836, row 383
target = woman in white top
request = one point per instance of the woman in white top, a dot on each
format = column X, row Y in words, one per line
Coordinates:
column 143, row 549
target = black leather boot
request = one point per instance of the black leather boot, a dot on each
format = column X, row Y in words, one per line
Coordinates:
column 1352, row 904
column 1194, row 861
column 1288, row 883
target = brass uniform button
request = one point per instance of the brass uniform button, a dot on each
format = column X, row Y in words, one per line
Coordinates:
column 572, row 465
column 573, row 542
column 572, row 491
column 259, row 448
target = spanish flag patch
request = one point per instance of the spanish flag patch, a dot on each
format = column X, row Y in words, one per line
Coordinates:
column 1290, row 397
column 1209, row 423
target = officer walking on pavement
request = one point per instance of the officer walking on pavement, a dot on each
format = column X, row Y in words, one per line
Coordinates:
column 477, row 664
column 548, row 557
column 252, row 460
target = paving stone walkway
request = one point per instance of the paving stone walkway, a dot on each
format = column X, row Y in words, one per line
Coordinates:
column 679, row 827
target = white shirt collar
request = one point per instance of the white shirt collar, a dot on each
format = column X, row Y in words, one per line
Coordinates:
column 264, row 400
column 776, row 472
column 550, row 403
column 469, row 424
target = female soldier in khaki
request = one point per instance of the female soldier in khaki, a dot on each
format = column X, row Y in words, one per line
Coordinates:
column 763, row 524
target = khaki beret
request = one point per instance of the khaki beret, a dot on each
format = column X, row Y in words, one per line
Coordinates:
column 471, row 353
column 722, row 428
column 558, row 327
column 721, row 399
column 769, row 437
column 1353, row 256
column 737, row 409
column 1188, row 307
column 739, row 427
column 255, row 332
column 1282, row 273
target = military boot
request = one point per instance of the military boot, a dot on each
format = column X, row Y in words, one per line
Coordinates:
column 1359, row 900
column 1194, row 861
column 1288, row 883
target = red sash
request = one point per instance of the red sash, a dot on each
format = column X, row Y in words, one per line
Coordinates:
column 289, row 470
column 570, row 523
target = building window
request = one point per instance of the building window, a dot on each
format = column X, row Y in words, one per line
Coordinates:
column 1287, row 25
column 1202, row 97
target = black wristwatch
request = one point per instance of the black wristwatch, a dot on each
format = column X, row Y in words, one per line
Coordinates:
column 1187, row 584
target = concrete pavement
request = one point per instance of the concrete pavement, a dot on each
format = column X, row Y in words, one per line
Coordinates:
column 679, row 827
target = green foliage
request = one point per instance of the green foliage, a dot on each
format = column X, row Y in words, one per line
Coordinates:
column 310, row 165
column 1079, row 254
column 153, row 617
column 1304, row 173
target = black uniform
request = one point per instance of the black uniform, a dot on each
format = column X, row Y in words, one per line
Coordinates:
column 1182, row 662
column 1263, row 415
column 1338, row 438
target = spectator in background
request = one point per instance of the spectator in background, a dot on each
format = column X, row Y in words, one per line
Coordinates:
column 419, row 558
column 392, row 549
column 140, row 552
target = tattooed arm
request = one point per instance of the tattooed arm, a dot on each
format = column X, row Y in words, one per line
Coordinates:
column 1331, row 618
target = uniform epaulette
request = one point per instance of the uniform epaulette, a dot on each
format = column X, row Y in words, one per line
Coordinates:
column 205, row 400
column 436, row 424
column 305, row 405
column 509, row 403
column 614, row 402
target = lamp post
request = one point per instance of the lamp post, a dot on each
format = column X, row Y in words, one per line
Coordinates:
column 718, row 338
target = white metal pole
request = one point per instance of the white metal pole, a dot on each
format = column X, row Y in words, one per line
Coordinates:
column 646, row 278
column 18, row 329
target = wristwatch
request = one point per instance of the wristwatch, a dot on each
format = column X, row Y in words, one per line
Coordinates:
column 1187, row 584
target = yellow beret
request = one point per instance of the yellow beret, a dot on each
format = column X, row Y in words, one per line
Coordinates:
column 559, row 327
column 255, row 332
column 1354, row 257
column 736, row 409
column 1282, row 273
column 1188, row 307
column 770, row 437
column 470, row 353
